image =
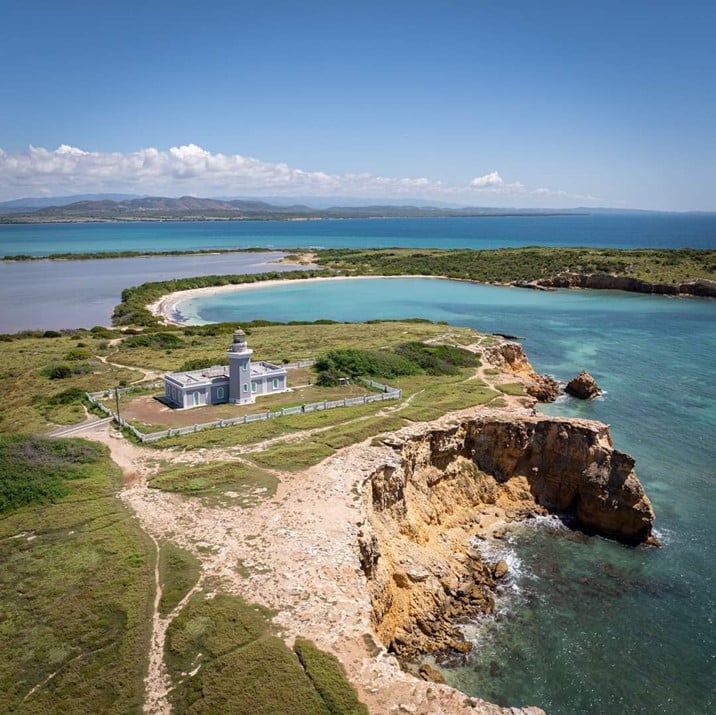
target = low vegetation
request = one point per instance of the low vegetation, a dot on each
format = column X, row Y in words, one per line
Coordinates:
column 133, row 311
column 179, row 571
column 237, row 665
column 329, row 678
column 282, row 343
column 36, row 394
column 231, row 482
column 36, row 470
column 506, row 265
column 412, row 358
column 75, row 583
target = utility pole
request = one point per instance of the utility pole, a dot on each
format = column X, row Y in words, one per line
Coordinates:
column 116, row 397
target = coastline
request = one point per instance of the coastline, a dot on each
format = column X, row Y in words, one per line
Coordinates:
column 167, row 311
column 166, row 307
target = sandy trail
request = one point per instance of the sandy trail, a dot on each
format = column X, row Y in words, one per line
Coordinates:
column 294, row 553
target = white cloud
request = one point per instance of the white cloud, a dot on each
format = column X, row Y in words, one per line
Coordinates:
column 495, row 183
column 487, row 181
column 190, row 169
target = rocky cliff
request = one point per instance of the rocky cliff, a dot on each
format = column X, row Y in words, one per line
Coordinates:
column 438, row 487
column 701, row 287
column 511, row 358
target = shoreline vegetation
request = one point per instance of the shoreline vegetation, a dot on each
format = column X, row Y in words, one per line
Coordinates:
column 45, row 377
column 101, row 255
column 676, row 272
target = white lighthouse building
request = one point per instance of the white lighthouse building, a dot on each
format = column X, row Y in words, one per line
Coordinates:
column 241, row 382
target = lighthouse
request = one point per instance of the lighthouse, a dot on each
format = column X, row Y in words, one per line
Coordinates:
column 240, row 369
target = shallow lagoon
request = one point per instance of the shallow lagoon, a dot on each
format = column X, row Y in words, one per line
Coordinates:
column 586, row 625
column 43, row 295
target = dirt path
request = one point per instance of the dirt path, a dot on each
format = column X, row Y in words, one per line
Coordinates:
column 147, row 375
column 294, row 553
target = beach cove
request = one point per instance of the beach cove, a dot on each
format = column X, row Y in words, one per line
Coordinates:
column 545, row 647
column 574, row 611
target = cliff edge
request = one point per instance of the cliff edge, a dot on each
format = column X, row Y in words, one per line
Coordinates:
column 440, row 486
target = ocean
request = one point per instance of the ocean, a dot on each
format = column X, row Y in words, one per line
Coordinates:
column 585, row 625
column 634, row 230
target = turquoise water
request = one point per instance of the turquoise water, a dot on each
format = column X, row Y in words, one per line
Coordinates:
column 585, row 625
column 612, row 231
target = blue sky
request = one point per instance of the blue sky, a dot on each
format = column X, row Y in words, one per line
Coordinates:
column 509, row 103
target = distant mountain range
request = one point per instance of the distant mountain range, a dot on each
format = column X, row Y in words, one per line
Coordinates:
column 113, row 207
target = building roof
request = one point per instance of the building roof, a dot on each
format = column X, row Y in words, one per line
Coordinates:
column 216, row 374
column 261, row 367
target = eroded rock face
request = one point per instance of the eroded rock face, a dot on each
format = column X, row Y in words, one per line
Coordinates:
column 584, row 387
column 543, row 388
column 511, row 358
column 698, row 287
column 441, row 486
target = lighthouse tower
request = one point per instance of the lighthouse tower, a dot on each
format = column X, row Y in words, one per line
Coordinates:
column 240, row 370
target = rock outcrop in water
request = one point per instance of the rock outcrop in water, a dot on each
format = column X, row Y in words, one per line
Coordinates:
column 583, row 387
column 438, row 487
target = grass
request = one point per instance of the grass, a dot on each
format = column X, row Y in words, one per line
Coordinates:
column 511, row 388
column 329, row 677
column 277, row 343
column 223, row 481
column 432, row 398
column 75, row 589
column 240, row 667
column 36, row 470
column 179, row 570
column 150, row 415
column 226, row 436
column 292, row 456
column 32, row 402
column 358, row 431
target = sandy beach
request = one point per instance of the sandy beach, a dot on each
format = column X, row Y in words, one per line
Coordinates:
column 167, row 307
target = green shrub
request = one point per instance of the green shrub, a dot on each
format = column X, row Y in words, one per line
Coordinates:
column 34, row 469
column 356, row 363
column 201, row 363
column 78, row 354
column 159, row 341
column 66, row 397
column 326, row 379
column 99, row 331
column 58, row 372
column 438, row 359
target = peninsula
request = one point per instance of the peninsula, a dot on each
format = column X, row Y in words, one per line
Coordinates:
column 386, row 498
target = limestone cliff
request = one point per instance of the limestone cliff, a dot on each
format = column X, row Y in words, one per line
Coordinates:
column 511, row 358
column 438, row 486
column 701, row 287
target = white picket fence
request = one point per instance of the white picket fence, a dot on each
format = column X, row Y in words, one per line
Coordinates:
column 388, row 393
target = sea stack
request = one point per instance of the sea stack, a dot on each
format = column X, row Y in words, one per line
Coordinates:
column 583, row 386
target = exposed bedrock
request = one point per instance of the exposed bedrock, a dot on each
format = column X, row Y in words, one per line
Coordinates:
column 701, row 287
column 511, row 358
column 440, row 486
